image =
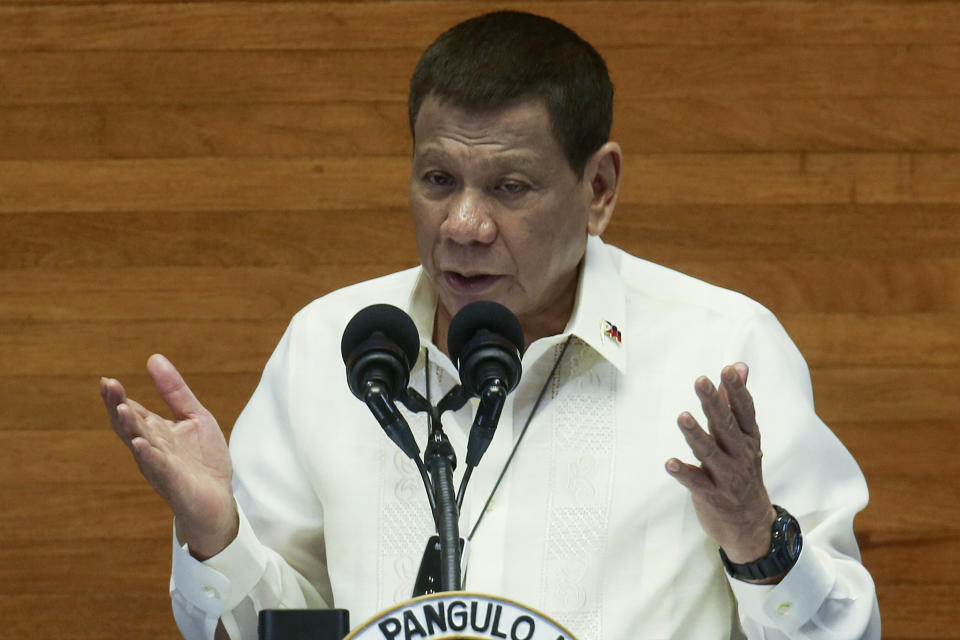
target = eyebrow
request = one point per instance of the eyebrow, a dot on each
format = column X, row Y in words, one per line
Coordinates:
column 510, row 160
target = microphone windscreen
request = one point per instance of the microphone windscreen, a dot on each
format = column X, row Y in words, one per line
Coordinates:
column 395, row 324
column 483, row 314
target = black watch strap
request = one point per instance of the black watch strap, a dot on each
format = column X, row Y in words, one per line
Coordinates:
column 785, row 545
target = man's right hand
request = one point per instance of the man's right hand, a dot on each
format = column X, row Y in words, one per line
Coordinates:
column 186, row 459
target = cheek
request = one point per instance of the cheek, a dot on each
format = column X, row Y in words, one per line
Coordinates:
column 549, row 250
column 426, row 210
column 425, row 228
column 537, row 252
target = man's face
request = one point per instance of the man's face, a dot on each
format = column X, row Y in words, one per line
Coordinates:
column 498, row 212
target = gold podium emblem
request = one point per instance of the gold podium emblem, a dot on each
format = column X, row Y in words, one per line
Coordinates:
column 458, row 615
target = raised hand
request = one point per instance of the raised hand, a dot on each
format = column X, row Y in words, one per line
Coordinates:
column 727, row 487
column 186, row 459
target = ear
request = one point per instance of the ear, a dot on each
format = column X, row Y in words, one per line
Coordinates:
column 603, row 171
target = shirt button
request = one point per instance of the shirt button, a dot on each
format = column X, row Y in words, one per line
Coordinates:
column 784, row 608
column 210, row 592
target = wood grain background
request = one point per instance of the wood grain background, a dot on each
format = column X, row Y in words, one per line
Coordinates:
column 182, row 177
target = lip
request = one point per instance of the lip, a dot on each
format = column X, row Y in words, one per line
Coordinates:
column 469, row 285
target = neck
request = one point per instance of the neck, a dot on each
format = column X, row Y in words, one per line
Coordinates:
column 548, row 322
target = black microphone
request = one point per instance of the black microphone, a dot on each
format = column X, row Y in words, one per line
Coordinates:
column 485, row 340
column 379, row 347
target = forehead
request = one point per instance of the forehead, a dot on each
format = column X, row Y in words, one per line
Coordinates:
column 521, row 131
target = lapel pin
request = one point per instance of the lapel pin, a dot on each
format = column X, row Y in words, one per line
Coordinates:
column 610, row 332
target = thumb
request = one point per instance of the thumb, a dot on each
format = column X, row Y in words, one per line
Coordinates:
column 174, row 391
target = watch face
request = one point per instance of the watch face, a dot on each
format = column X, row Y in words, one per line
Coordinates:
column 793, row 540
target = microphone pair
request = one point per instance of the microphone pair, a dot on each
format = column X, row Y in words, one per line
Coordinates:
column 380, row 345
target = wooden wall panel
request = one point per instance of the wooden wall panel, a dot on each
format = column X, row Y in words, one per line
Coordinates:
column 102, row 617
column 63, row 403
column 790, row 231
column 686, row 125
column 110, row 131
column 182, row 177
column 195, row 239
column 840, row 284
column 163, row 77
column 205, row 184
column 223, row 77
column 346, row 25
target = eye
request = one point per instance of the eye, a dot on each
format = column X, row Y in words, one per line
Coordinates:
column 512, row 187
column 438, row 179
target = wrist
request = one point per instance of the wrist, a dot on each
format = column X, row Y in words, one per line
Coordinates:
column 203, row 540
column 753, row 541
column 782, row 553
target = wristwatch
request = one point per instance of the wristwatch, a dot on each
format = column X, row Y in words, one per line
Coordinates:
column 785, row 545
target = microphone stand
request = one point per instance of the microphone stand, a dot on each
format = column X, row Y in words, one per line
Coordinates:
column 440, row 461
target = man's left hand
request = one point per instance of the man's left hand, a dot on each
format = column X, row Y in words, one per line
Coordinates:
column 727, row 487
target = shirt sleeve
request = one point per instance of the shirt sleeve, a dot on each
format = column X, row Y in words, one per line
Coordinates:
column 828, row 593
column 277, row 560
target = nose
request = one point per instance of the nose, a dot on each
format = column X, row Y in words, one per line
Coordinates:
column 469, row 219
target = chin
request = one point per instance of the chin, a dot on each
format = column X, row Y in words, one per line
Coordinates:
column 453, row 303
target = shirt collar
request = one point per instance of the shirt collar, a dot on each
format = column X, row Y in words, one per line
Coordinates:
column 599, row 311
column 423, row 306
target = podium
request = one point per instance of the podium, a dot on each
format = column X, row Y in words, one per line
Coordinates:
column 449, row 615
column 303, row 624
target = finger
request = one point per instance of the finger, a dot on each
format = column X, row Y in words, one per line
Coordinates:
column 141, row 411
column 720, row 419
column 142, row 452
column 113, row 394
column 692, row 477
column 173, row 389
column 722, row 391
column 128, row 417
column 129, row 425
column 703, row 446
column 741, row 402
column 155, row 466
column 743, row 370
column 153, row 461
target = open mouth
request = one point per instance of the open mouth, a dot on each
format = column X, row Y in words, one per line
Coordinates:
column 469, row 284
